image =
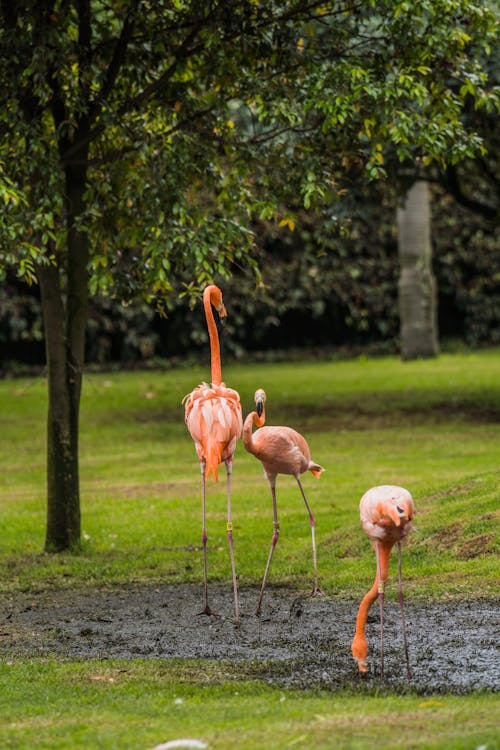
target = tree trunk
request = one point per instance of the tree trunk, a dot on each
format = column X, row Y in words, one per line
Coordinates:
column 63, row 493
column 417, row 285
column 64, row 305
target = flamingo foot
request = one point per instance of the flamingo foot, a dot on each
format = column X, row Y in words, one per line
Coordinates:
column 209, row 612
column 317, row 591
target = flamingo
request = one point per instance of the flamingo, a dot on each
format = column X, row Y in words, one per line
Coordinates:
column 386, row 517
column 281, row 450
column 214, row 420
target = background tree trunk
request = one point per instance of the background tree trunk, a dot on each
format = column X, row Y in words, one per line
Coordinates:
column 417, row 284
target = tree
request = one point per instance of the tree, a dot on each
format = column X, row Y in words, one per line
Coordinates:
column 475, row 183
column 138, row 138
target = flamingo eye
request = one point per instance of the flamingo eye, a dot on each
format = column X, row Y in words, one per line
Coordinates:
column 400, row 510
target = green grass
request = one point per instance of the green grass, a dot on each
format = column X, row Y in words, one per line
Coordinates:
column 134, row 704
column 432, row 426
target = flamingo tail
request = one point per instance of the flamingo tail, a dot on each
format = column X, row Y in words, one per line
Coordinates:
column 213, row 456
column 316, row 469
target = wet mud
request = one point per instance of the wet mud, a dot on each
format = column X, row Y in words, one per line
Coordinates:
column 296, row 642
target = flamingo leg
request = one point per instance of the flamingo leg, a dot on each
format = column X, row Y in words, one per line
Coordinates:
column 381, row 585
column 206, row 610
column 229, row 465
column 403, row 619
column 274, row 541
column 316, row 589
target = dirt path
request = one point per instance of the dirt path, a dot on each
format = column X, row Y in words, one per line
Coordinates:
column 297, row 641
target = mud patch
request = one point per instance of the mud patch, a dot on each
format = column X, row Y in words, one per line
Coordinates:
column 476, row 546
column 298, row 641
column 447, row 537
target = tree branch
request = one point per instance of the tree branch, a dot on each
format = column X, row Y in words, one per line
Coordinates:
column 84, row 42
column 117, row 60
column 451, row 183
column 183, row 52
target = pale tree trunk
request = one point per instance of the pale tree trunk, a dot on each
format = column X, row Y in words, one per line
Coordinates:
column 64, row 294
column 417, row 284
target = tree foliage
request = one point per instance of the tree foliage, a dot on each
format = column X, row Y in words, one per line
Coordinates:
column 183, row 117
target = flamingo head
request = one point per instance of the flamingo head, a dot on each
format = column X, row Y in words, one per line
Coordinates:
column 221, row 310
column 215, row 295
column 218, row 303
column 260, row 400
column 404, row 509
column 398, row 509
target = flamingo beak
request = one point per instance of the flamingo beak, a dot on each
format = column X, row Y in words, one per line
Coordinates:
column 395, row 515
column 259, row 401
column 221, row 310
column 362, row 665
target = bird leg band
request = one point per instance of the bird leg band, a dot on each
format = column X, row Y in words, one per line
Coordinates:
column 381, row 586
column 276, row 534
column 229, row 526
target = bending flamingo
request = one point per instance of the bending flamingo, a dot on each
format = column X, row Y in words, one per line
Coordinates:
column 281, row 451
column 213, row 417
column 386, row 517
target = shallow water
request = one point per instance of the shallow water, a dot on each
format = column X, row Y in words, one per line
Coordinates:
column 296, row 642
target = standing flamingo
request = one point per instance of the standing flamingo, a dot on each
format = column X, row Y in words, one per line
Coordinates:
column 281, row 451
column 386, row 517
column 214, row 420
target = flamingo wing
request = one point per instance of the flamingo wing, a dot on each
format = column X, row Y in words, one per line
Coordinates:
column 282, row 450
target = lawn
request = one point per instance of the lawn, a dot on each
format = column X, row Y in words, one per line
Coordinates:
column 432, row 426
column 130, row 705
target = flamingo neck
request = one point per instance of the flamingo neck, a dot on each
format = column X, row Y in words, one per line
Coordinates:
column 369, row 598
column 214, row 336
column 252, row 419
